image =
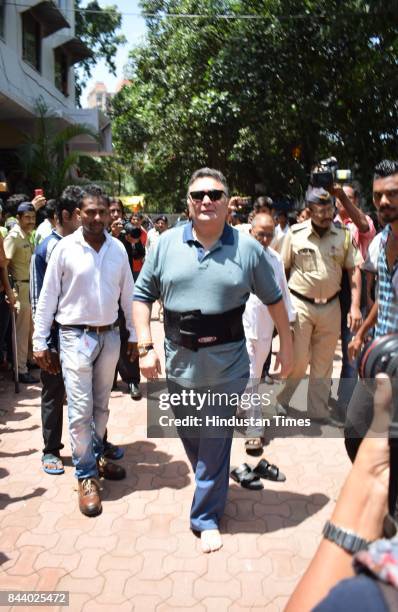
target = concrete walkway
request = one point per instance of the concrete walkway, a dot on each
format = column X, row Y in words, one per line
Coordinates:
column 140, row 554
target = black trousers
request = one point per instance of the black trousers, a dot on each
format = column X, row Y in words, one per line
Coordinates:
column 5, row 317
column 52, row 399
column 128, row 370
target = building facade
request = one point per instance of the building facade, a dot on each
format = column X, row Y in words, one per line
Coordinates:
column 38, row 52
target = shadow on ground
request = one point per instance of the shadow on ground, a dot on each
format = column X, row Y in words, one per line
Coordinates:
column 147, row 469
column 268, row 511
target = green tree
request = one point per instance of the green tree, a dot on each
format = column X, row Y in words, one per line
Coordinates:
column 44, row 160
column 97, row 27
column 110, row 172
column 314, row 77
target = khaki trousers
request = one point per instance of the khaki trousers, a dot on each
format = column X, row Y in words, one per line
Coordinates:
column 24, row 326
column 316, row 332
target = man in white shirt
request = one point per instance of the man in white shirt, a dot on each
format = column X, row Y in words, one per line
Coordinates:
column 161, row 225
column 46, row 227
column 257, row 321
column 281, row 229
column 86, row 275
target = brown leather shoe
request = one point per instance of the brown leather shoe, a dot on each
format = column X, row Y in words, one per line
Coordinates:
column 109, row 470
column 89, row 497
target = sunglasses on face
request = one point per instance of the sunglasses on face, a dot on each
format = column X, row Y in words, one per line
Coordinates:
column 212, row 194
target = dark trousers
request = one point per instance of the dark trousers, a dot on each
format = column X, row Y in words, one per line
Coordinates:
column 52, row 399
column 349, row 370
column 129, row 370
column 5, row 317
column 208, row 449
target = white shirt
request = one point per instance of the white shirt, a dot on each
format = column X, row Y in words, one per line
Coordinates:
column 152, row 239
column 244, row 227
column 45, row 228
column 82, row 287
column 279, row 232
column 257, row 321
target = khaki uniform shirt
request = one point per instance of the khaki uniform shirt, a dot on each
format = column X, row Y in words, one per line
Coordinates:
column 18, row 250
column 315, row 262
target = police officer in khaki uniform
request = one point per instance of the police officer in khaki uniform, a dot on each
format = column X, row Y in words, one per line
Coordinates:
column 18, row 249
column 314, row 253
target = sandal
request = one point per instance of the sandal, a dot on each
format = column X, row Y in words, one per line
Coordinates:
column 52, row 464
column 254, row 444
column 267, row 470
column 247, row 479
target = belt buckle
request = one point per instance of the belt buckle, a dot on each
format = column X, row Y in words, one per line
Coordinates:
column 320, row 301
column 91, row 328
column 207, row 339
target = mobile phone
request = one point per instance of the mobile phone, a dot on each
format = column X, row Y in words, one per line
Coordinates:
column 39, row 192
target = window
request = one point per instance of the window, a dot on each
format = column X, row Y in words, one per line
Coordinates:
column 61, row 69
column 2, row 18
column 31, row 40
column 62, row 5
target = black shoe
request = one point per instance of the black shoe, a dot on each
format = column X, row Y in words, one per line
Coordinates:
column 27, row 379
column 111, row 451
column 33, row 366
column 109, row 470
column 135, row 392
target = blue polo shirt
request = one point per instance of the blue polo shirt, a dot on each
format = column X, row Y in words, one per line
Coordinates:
column 186, row 277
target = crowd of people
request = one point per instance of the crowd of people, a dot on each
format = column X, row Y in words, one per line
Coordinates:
column 83, row 280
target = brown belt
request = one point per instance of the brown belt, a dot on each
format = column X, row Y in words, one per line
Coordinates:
column 93, row 328
column 317, row 301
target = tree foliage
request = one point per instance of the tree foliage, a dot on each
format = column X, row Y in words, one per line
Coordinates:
column 43, row 159
column 97, row 27
column 260, row 98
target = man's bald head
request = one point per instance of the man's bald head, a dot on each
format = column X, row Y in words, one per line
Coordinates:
column 262, row 218
column 263, row 228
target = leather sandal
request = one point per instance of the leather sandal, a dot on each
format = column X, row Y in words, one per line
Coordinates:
column 247, row 479
column 269, row 471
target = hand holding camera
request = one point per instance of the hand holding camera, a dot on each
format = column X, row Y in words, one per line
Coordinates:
column 327, row 173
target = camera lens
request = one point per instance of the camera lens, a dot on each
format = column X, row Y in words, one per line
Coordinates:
column 380, row 356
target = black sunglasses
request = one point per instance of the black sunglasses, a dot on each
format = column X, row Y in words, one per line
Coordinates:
column 213, row 195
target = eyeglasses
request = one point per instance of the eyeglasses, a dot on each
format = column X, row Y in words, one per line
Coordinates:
column 212, row 194
column 263, row 235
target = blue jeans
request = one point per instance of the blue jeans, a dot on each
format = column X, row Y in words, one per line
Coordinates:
column 88, row 384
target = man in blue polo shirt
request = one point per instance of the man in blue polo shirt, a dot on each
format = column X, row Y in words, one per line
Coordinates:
column 204, row 273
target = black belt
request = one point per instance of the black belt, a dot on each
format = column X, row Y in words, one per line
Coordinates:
column 317, row 301
column 93, row 328
column 22, row 281
column 194, row 330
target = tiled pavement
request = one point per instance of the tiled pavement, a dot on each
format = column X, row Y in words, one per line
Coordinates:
column 139, row 554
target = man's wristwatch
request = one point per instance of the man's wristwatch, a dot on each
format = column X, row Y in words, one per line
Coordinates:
column 143, row 349
column 348, row 540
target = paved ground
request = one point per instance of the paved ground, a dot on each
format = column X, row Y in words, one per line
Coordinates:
column 139, row 554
